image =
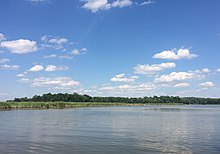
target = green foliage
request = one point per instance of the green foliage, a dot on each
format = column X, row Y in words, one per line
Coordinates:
column 66, row 100
column 56, row 105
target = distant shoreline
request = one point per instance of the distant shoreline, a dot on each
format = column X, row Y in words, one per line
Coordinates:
column 61, row 101
column 58, row 105
column 71, row 98
column 65, row 105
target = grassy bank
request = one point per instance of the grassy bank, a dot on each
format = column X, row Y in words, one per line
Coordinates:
column 58, row 105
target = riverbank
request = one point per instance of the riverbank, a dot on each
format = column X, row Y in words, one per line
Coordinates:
column 59, row 105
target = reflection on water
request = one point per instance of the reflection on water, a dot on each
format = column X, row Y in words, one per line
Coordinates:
column 149, row 129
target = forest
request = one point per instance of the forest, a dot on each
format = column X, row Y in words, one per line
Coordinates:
column 75, row 97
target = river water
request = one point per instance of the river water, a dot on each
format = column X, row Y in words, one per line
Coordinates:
column 107, row 130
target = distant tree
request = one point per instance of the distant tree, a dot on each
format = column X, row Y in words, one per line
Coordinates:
column 75, row 97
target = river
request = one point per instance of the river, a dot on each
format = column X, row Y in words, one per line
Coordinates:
column 106, row 130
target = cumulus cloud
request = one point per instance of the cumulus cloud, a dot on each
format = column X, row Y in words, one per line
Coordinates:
column 4, row 60
column 48, row 68
column 175, row 54
column 182, row 76
column 148, row 69
column 202, row 71
column 128, row 88
column 2, row 37
column 74, row 52
column 205, row 70
column 147, row 2
column 9, row 67
column 55, row 81
column 77, row 52
column 207, row 84
column 50, row 56
column 66, row 57
column 122, row 78
column 183, row 84
column 218, row 70
column 20, row 75
column 58, row 40
column 56, row 43
column 36, row 68
column 96, row 5
column 121, row 3
column 178, row 76
column 20, row 46
column 24, row 80
column 51, row 68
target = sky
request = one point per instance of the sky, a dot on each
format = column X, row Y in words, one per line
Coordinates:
column 128, row 48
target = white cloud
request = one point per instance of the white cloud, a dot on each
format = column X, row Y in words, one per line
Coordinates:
column 205, row 70
column 51, row 68
column 122, row 78
column 202, row 71
column 56, row 43
column 77, row 52
column 83, row 50
column 175, row 55
column 2, row 37
column 24, row 80
column 183, row 84
column 121, row 3
column 144, row 87
column 36, row 68
column 148, row 69
column 178, row 76
column 20, row 75
column 20, row 46
column 48, row 68
column 56, row 81
column 114, row 88
column 50, row 56
column 96, row 5
column 58, row 40
column 147, row 2
column 128, row 88
column 9, row 67
column 218, row 70
column 207, row 84
column 65, row 57
column 4, row 60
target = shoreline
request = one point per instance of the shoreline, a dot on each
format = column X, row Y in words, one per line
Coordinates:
column 67, row 105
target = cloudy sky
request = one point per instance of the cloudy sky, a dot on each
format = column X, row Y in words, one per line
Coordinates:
column 110, row 47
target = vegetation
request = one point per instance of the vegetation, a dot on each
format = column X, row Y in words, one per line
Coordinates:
column 86, row 98
column 75, row 100
column 58, row 105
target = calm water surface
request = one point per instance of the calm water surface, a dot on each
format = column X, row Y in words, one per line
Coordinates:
column 98, row 130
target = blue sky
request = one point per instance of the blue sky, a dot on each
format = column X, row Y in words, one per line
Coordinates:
column 128, row 48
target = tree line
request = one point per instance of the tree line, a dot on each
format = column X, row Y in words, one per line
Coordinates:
column 75, row 97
